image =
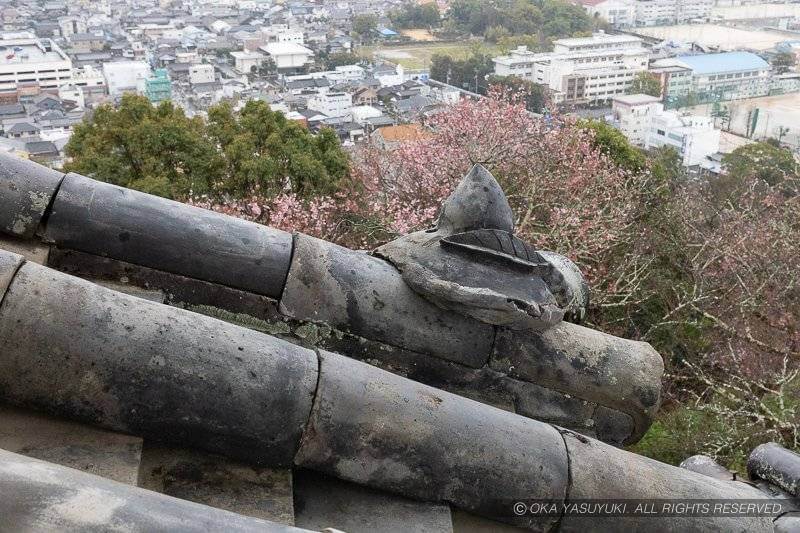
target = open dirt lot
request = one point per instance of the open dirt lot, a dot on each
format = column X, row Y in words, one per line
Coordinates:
column 418, row 56
column 774, row 112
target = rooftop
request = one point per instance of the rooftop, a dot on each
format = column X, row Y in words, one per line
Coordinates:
column 404, row 132
column 286, row 49
column 240, row 54
column 27, row 51
column 635, row 99
column 597, row 38
column 724, row 62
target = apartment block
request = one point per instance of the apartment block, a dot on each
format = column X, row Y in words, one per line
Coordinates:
column 332, row 104
column 724, row 76
column 580, row 69
column 629, row 13
column 643, row 120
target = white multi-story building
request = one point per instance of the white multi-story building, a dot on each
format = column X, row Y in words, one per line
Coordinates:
column 663, row 12
column 332, row 104
column 694, row 137
column 72, row 93
column 25, row 58
column 69, row 26
column 643, row 120
column 91, row 81
column 580, row 69
column 245, row 61
column 288, row 56
column 201, row 73
column 618, row 13
column 725, row 76
column 633, row 114
column 187, row 56
column 338, row 74
column 627, row 13
column 290, row 36
column 125, row 76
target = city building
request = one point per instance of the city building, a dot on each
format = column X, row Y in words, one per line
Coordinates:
column 69, row 26
column 201, row 73
column 91, row 82
column 694, row 137
column 633, row 114
column 643, row 120
column 342, row 73
column 676, row 82
column 788, row 82
column 246, row 62
column 630, row 13
column 72, row 93
column 618, row 13
column 125, row 76
column 724, row 76
column 290, row 36
column 158, row 88
column 86, row 42
column 582, row 69
column 332, row 104
column 288, row 56
column 27, row 59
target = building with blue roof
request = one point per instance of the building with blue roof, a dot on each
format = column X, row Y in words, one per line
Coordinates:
column 387, row 33
column 724, row 76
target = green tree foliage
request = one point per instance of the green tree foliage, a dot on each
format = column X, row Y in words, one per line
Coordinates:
column 365, row 25
column 161, row 151
column 413, row 15
column 465, row 73
column 533, row 42
column 266, row 68
column 688, row 429
column 545, row 18
column 535, row 94
column 263, row 150
column 340, row 59
column 783, row 62
column 496, row 34
column 764, row 161
column 645, row 83
column 154, row 149
column 615, row 145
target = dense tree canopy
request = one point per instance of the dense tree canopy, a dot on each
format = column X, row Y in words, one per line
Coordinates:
column 413, row 15
column 161, row 151
column 612, row 143
column 774, row 165
column 783, row 62
column 265, row 151
column 535, row 95
column 153, row 149
column 645, row 83
column 547, row 18
column 365, row 25
column 470, row 73
column 339, row 59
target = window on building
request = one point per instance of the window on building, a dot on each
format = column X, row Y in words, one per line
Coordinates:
column 660, row 132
